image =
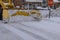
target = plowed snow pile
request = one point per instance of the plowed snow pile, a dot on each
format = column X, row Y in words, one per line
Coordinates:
column 55, row 12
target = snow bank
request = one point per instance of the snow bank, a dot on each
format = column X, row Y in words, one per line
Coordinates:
column 55, row 12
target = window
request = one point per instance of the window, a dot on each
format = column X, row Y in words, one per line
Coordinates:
column 44, row 3
column 5, row 1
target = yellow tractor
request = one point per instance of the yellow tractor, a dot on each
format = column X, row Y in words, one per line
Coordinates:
column 5, row 7
column 9, row 5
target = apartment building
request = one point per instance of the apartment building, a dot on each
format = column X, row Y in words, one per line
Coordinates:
column 27, row 3
column 32, row 4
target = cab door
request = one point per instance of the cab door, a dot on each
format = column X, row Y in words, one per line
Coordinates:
column 1, row 13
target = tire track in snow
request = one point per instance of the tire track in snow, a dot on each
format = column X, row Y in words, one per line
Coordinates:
column 31, row 33
column 37, row 29
column 18, row 32
column 7, row 34
column 49, row 34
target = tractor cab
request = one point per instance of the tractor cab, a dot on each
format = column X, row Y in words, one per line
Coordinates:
column 1, row 13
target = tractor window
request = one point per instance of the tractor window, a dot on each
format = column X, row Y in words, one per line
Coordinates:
column 6, row 1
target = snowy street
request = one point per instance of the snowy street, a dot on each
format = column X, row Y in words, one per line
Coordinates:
column 29, row 19
column 47, row 29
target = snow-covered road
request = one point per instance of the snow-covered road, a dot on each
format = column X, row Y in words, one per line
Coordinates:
column 47, row 29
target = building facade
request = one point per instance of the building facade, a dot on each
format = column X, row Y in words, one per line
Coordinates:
column 32, row 4
column 18, row 2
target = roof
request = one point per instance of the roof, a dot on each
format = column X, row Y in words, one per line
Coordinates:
column 33, row 0
column 56, row 1
column 39, row 0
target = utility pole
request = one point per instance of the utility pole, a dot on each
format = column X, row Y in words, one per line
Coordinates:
column 49, row 11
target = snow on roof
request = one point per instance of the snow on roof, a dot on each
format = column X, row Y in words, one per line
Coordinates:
column 39, row 0
column 56, row 1
column 33, row 0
